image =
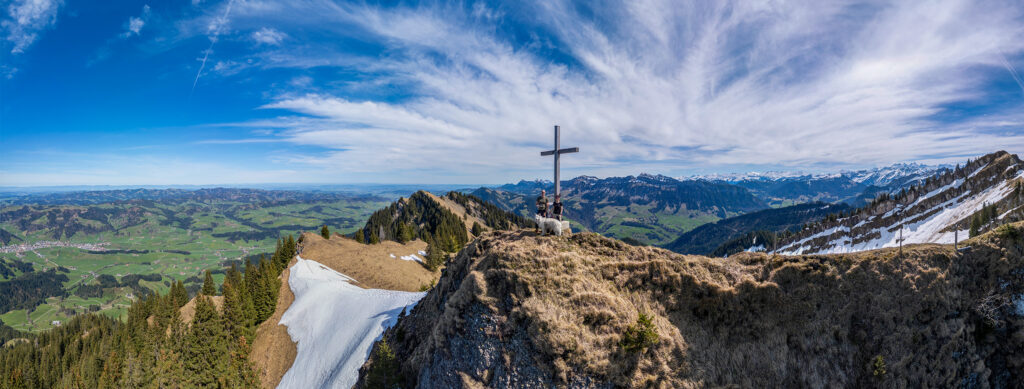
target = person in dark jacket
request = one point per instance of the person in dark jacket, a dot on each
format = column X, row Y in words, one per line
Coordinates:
column 542, row 204
column 556, row 208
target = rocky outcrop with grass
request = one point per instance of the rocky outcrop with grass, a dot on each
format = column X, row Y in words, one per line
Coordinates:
column 583, row 311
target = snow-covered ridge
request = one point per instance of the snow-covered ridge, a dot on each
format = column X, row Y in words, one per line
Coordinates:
column 335, row 324
column 936, row 216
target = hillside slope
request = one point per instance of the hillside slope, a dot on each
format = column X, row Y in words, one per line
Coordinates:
column 447, row 221
column 516, row 310
column 938, row 211
column 710, row 239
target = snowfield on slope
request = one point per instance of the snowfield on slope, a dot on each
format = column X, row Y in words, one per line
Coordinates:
column 335, row 324
column 929, row 230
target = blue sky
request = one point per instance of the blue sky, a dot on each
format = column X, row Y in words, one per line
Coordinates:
column 316, row 91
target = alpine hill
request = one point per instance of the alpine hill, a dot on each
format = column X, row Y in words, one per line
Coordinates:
column 583, row 311
column 446, row 222
column 958, row 203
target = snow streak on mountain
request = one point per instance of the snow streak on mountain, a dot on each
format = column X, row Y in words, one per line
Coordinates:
column 939, row 211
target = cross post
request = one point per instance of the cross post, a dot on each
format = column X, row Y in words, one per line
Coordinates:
column 557, row 152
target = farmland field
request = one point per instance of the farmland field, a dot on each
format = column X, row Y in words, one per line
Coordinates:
column 145, row 242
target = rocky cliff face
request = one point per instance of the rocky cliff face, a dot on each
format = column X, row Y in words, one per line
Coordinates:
column 938, row 211
column 516, row 310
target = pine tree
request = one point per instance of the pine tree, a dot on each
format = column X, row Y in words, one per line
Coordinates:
column 206, row 347
column 374, row 239
column 359, row 237
column 436, row 257
column 179, row 294
column 477, row 229
column 324, row 232
column 209, row 288
column 975, row 225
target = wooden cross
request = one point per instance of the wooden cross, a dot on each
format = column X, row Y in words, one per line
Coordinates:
column 557, row 152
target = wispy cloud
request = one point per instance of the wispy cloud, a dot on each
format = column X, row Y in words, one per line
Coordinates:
column 26, row 19
column 213, row 32
column 654, row 82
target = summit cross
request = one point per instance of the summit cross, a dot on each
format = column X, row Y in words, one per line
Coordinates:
column 557, row 152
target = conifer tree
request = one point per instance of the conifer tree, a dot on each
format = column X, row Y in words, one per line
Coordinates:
column 359, row 237
column 436, row 257
column 206, row 347
column 324, row 232
column 477, row 229
column 178, row 293
column 209, row 288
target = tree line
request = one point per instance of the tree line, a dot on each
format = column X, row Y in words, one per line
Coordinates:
column 153, row 347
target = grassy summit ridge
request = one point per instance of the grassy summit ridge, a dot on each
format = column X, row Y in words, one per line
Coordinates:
column 513, row 309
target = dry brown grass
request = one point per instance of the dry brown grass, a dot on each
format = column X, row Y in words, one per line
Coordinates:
column 273, row 350
column 371, row 264
column 751, row 320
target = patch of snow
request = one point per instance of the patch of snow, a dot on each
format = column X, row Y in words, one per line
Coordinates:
column 755, row 249
column 422, row 253
column 335, row 324
column 412, row 257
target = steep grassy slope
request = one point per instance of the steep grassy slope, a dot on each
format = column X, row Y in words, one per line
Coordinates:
column 516, row 310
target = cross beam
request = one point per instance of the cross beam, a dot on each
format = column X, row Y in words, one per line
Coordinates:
column 557, row 152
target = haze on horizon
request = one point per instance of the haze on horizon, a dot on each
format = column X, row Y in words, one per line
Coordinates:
column 317, row 92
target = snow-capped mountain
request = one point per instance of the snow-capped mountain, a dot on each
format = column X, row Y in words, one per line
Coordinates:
column 900, row 173
column 985, row 192
column 852, row 187
column 880, row 176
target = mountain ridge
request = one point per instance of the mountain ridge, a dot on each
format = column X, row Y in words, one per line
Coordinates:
column 938, row 211
column 516, row 310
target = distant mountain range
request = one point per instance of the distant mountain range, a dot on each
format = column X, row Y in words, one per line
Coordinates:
column 656, row 209
column 648, row 208
column 852, row 187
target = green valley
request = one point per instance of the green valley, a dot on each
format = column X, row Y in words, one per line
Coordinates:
column 103, row 255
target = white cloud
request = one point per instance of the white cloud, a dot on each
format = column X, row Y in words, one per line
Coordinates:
column 135, row 23
column 268, row 36
column 658, row 83
column 26, row 19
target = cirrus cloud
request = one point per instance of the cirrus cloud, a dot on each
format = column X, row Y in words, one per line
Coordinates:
column 652, row 84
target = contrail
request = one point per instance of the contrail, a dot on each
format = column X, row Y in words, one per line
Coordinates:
column 1013, row 72
column 213, row 40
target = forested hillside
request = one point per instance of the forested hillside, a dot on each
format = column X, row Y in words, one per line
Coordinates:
column 428, row 218
column 154, row 347
column 762, row 228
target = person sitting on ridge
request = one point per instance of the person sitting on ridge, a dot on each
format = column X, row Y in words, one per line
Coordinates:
column 556, row 208
column 542, row 205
